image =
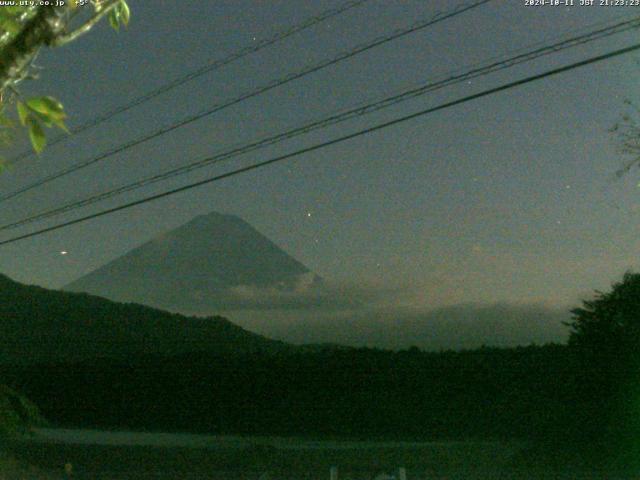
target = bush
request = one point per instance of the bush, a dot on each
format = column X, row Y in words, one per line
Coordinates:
column 17, row 414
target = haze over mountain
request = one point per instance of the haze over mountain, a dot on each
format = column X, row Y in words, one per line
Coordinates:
column 464, row 326
column 214, row 262
column 219, row 264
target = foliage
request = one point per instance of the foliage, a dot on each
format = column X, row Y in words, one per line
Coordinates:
column 119, row 15
column 352, row 393
column 37, row 111
column 605, row 335
column 23, row 31
column 12, row 21
column 17, row 414
column 150, row 369
column 627, row 130
column 611, row 321
column 81, row 326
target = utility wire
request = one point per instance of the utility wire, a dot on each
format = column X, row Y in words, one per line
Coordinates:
column 209, row 67
column 318, row 146
column 340, row 117
column 396, row 34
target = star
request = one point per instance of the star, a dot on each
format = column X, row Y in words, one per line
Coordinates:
column 308, row 214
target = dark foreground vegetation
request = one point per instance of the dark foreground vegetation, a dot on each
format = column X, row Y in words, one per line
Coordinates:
column 576, row 404
column 487, row 393
column 464, row 460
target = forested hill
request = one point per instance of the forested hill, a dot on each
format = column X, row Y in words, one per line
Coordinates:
column 352, row 393
column 39, row 325
column 90, row 362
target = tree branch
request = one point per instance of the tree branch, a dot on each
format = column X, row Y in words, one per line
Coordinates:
column 85, row 27
column 41, row 30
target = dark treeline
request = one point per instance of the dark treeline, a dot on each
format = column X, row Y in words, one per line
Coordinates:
column 87, row 362
column 485, row 393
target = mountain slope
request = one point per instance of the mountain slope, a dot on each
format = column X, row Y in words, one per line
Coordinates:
column 37, row 325
column 211, row 263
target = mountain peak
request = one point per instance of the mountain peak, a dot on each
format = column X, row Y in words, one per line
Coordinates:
column 213, row 262
column 215, row 217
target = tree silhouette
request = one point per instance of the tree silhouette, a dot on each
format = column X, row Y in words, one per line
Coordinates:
column 608, row 327
column 605, row 336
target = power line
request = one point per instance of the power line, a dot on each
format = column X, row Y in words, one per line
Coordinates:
column 340, row 117
column 328, row 143
column 420, row 25
column 209, row 67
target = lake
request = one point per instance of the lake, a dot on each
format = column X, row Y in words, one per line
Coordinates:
column 161, row 439
column 122, row 455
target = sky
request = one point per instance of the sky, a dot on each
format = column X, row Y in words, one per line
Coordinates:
column 509, row 198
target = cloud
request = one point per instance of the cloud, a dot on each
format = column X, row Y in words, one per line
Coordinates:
column 375, row 316
column 454, row 327
column 309, row 293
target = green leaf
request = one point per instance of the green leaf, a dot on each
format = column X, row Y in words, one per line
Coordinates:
column 23, row 112
column 36, row 134
column 44, row 119
column 114, row 18
column 46, row 105
column 125, row 12
column 48, row 110
column 119, row 15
